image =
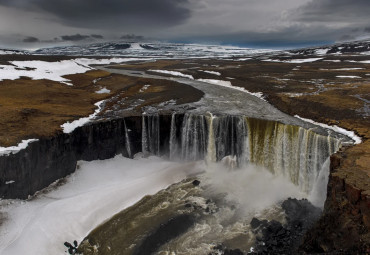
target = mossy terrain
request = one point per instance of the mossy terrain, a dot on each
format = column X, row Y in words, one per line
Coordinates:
column 37, row 108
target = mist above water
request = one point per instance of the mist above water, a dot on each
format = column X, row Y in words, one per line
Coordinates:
column 233, row 196
column 252, row 188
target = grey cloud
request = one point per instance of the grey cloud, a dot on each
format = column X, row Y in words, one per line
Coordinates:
column 30, row 39
column 352, row 11
column 233, row 21
column 97, row 36
column 131, row 37
column 347, row 38
column 294, row 35
column 74, row 38
column 110, row 13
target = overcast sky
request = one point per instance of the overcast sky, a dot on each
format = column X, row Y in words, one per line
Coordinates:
column 260, row 23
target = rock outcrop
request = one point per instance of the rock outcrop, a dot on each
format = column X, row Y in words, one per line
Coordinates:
column 345, row 223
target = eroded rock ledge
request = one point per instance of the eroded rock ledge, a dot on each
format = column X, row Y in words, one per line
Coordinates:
column 345, row 223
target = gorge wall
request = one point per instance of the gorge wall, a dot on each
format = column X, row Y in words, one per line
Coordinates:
column 289, row 150
column 50, row 159
column 345, row 222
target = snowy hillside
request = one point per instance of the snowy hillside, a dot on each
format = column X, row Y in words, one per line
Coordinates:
column 158, row 50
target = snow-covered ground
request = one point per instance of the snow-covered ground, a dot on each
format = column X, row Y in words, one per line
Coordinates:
column 9, row 52
column 295, row 61
column 95, row 192
column 155, row 49
column 173, row 73
column 322, row 51
column 211, row 72
column 103, row 91
column 348, row 76
column 14, row 149
column 38, row 70
column 70, row 126
column 343, row 69
column 105, row 61
column 335, row 128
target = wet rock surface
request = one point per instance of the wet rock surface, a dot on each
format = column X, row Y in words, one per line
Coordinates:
column 166, row 231
column 276, row 238
column 223, row 250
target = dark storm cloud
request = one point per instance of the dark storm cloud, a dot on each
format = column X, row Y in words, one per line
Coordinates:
column 131, row 37
column 334, row 11
column 255, row 22
column 74, row 38
column 103, row 14
column 97, row 36
column 30, row 39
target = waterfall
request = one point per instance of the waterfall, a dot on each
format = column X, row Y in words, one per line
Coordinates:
column 127, row 140
column 230, row 134
column 291, row 151
column 150, row 134
column 211, row 146
column 173, row 142
column 194, row 133
column 288, row 150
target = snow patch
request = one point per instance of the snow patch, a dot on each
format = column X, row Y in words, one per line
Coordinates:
column 211, row 72
column 348, row 76
column 103, row 91
column 70, row 126
column 38, row 70
column 9, row 182
column 166, row 103
column 335, row 61
column 363, row 62
column 243, row 59
column 54, row 71
column 145, row 87
column 335, row 128
column 294, row 94
column 173, row 73
column 295, row 61
column 322, row 51
column 14, row 149
column 343, row 69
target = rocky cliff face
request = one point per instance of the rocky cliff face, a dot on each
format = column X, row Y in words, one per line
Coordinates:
column 49, row 159
column 345, row 223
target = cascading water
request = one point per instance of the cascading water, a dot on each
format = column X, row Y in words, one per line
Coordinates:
column 127, row 138
column 275, row 161
column 291, row 151
column 150, row 135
